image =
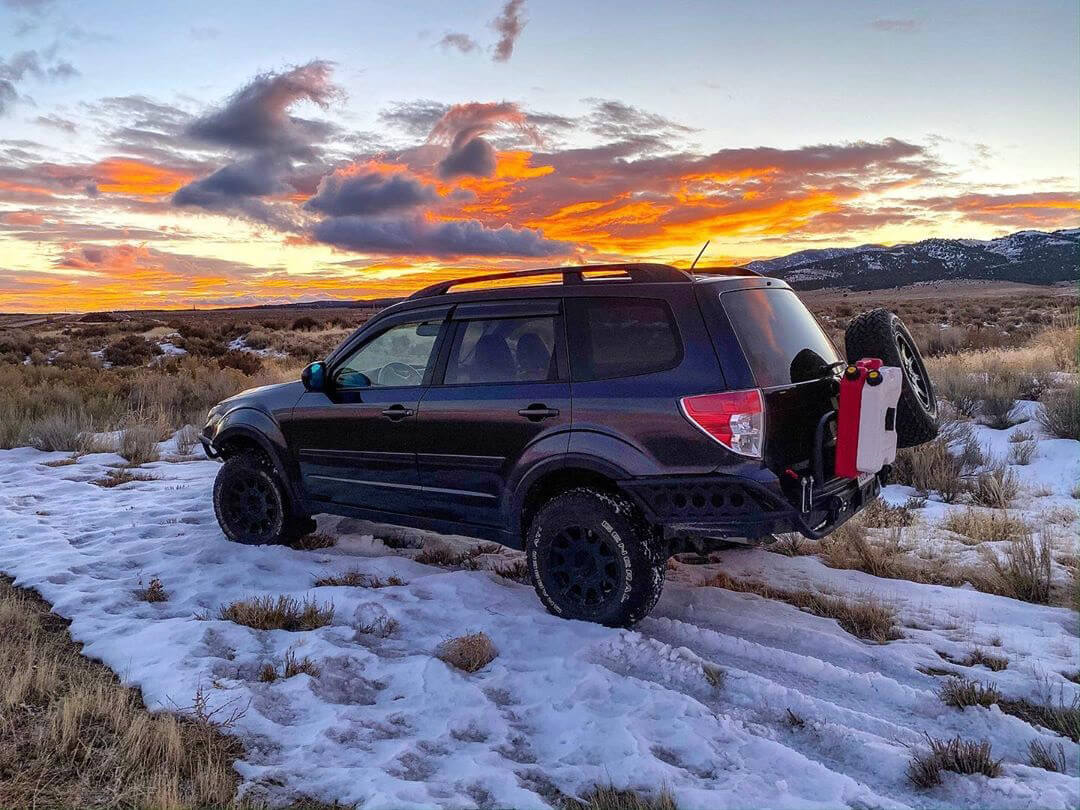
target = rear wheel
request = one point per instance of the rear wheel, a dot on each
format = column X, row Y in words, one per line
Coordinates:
column 252, row 504
column 592, row 556
column 880, row 333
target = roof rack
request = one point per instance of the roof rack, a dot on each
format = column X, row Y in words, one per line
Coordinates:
column 638, row 273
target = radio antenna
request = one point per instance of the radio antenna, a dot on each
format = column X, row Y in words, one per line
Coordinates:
column 700, row 252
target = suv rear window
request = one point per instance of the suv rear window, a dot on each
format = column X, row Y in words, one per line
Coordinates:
column 781, row 339
column 620, row 337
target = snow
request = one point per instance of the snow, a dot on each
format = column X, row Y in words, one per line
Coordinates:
column 565, row 705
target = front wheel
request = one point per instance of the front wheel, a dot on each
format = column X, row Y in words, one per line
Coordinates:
column 592, row 556
column 252, row 504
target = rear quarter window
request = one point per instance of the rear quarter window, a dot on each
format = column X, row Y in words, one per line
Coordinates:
column 782, row 341
column 621, row 337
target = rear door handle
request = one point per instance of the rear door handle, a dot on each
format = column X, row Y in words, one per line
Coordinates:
column 396, row 412
column 538, row 411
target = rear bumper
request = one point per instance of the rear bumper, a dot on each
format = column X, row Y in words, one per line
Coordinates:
column 698, row 508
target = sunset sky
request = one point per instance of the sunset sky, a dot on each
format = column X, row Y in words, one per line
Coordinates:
column 210, row 154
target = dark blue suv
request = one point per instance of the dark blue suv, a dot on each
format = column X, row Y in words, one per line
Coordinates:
column 601, row 418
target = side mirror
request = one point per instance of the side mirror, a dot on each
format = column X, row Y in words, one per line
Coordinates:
column 314, row 376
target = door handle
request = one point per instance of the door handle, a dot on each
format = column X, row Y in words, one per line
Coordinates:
column 396, row 412
column 538, row 411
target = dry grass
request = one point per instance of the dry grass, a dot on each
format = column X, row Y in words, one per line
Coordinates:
column 793, row 544
column 313, row 541
column 186, row 440
column 794, row 720
column 290, row 666
column 280, row 613
column 1060, row 716
column 957, row 755
column 880, row 515
column 714, row 675
column 1020, row 436
column 610, row 798
column 996, row 487
column 358, row 579
column 1022, row 571
column 1023, row 453
column 154, row 592
column 380, row 627
column 114, row 478
column 960, row 693
column 978, row 656
column 469, row 653
column 980, row 526
column 865, row 617
column 72, row 736
column 1042, row 755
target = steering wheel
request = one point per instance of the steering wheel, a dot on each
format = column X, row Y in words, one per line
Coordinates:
column 399, row 374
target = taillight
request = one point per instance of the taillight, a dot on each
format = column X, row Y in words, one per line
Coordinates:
column 736, row 419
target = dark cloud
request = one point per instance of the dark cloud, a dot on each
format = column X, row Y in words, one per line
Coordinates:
column 368, row 193
column 508, row 24
column 257, row 116
column 8, row 95
column 462, row 126
column 418, row 237
column 56, row 122
column 30, row 64
column 897, row 26
column 460, row 42
column 472, row 156
column 257, row 177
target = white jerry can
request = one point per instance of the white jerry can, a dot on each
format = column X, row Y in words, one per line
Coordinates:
column 877, row 419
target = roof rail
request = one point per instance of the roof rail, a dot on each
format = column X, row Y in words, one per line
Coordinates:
column 639, row 273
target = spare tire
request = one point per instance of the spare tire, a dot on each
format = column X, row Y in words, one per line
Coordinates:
column 880, row 333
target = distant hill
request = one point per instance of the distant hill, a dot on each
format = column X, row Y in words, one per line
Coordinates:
column 1034, row 257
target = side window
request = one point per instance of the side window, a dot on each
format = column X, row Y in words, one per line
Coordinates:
column 503, row 350
column 398, row 357
column 621, row 337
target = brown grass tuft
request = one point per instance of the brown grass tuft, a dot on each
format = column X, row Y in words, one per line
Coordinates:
column 380, row 627
column 611, row 798
column 114, row 478
column 981, row 526
column 154, row 592
column 138, row 444
column 996, row 487
column 1060, row 414
column 1042, row 755
column 978, row 656
column 469, row 653
column 957, row 755
column 1023, row 571
column 716, row 676
column 313, row 541
column 960, row 693
column 282, row 613
column 880, row 515
column 358, row 579
column 290, row 666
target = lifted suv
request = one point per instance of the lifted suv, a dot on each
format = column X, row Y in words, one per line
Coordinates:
column 601, row 422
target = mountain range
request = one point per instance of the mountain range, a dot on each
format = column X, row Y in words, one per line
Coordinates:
column 1033, row 257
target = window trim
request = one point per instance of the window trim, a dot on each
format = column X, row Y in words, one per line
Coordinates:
column 459, row 325
column 441, row 315
column 578, row 327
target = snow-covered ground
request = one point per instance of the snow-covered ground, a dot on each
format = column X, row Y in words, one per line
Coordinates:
column 565, row 705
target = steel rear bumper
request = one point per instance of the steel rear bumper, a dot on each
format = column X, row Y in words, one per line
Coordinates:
column 699, row 508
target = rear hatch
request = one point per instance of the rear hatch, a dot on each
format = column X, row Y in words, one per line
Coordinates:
column 794, row 364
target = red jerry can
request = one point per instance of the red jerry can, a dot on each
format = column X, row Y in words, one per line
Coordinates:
column 866, row 423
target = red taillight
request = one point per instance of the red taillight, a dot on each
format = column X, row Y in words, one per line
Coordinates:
column 736, row 419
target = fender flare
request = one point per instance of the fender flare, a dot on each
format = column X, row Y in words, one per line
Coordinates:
column 257, row 426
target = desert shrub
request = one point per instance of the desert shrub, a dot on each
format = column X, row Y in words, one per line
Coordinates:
column 469, row 653
column 981, row 526
column 139, row 444
column 1020, row 436
column 1023, row 571
column 957, row 755
column 1022, row 453
column 358, row 579
column 305, row 323
column 1060, row 413
column 257, row 339
column 1042, row 755
column 77, row 358
column 63, row 430
column 932, row 468
column 1060, row 716
column 995, row 487
column 313, row 541
column 131, row 350
column 203, row 345
column 244, row 362
column 880, row 515
column 978, row 656
column 282, row 613
column 997, row 401
column 186, row 439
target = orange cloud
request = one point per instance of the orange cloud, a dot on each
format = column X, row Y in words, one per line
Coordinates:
column 138, row 179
